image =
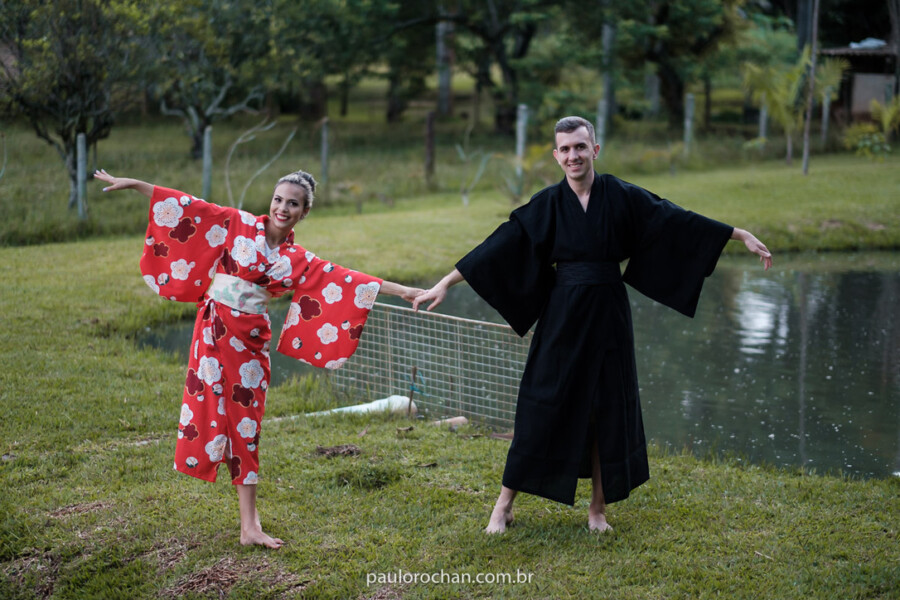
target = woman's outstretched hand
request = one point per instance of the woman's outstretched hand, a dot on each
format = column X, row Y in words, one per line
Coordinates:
column 123, row 183
column 754, row 245
column 404, row 291
column 410, row 293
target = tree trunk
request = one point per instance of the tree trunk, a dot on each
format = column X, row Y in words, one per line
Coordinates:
column 671, row 88
column 444, row 51
column 72, row 170
column 396, row 104
column 811, row 93
column 314, row 105
column 482, row 82
column 608, row 40
column 345, row 96
column 651, row 94
column 197, row 144
column 894, row 14
column 789, row 158
column 707, row 102
column 506, row 99
column 804, row 23
column 504, row 114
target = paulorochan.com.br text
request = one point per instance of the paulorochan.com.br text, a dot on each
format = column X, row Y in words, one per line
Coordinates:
column 444, row 577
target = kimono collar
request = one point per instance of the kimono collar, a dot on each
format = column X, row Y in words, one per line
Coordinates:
column 596, row 192
column 261, row 228
column 565, row 183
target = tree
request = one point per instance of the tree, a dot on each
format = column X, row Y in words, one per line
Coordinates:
column 841, row 21
column 206, row 52
column 780, row 86
column 594, row 34
column 66, row 58
column 314, row 39
column 828, row 79
column 886, row 116
column 674, row 36
column 764, row 40
column 894, row 16
column 811, row 94
column 410, row 56
column 500, row 32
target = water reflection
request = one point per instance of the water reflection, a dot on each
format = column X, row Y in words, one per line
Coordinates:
column 798, row 366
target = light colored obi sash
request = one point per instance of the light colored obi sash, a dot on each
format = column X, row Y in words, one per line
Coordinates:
column 239, row 294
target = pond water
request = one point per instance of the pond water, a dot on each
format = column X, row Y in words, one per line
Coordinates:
column 799, row 366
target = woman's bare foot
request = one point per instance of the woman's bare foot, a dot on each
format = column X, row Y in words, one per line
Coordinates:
column 256, row 536
column 597, row 522
column 251, row 530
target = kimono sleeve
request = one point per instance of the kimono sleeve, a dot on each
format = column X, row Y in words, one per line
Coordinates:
column 511, row 269
column 185, row 238
column 326, row 317
column 673, row 249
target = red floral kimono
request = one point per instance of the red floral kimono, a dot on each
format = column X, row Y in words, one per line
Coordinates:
column 217, row 256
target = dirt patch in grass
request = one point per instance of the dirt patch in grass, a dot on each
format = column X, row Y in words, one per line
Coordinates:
column 387, row 592
column 170, row 552
column 77, row 509
column 342, row 450
column 37, row 571
column 221, row 577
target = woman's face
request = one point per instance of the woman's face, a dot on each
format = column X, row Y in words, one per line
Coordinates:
column 288, row 207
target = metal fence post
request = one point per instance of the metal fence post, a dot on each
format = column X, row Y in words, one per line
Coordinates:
column 81, row 177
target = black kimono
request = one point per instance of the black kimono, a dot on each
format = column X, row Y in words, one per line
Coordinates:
column 580, row 381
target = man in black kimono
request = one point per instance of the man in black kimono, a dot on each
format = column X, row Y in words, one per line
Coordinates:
column 578, row 414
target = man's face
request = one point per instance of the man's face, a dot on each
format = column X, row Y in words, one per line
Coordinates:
column 575, row 154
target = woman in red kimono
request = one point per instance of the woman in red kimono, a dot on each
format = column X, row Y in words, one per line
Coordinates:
column 232, row 263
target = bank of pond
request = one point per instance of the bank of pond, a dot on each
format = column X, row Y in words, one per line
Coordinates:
column 796, row 367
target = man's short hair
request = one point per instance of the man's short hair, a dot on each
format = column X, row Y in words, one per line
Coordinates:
column 570, row 124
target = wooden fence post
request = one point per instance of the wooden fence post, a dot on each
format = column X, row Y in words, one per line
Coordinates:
column 207, row 162
column 826, row 109
column 521, row 130
column 602, row 115
column 688, row 123
column 324, row 174
column 429, row 150
column 444, row 51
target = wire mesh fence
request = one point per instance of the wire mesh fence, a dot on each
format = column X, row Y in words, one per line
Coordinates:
column 454, row 366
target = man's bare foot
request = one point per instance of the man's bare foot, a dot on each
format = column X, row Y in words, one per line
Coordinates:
column 258, row 537
column 597, row 522
column 500, row 518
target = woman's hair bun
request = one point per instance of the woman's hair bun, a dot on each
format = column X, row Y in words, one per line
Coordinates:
column 309, row 178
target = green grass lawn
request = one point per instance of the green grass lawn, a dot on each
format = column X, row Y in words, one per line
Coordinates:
column 91, row 508
column 847, row 202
